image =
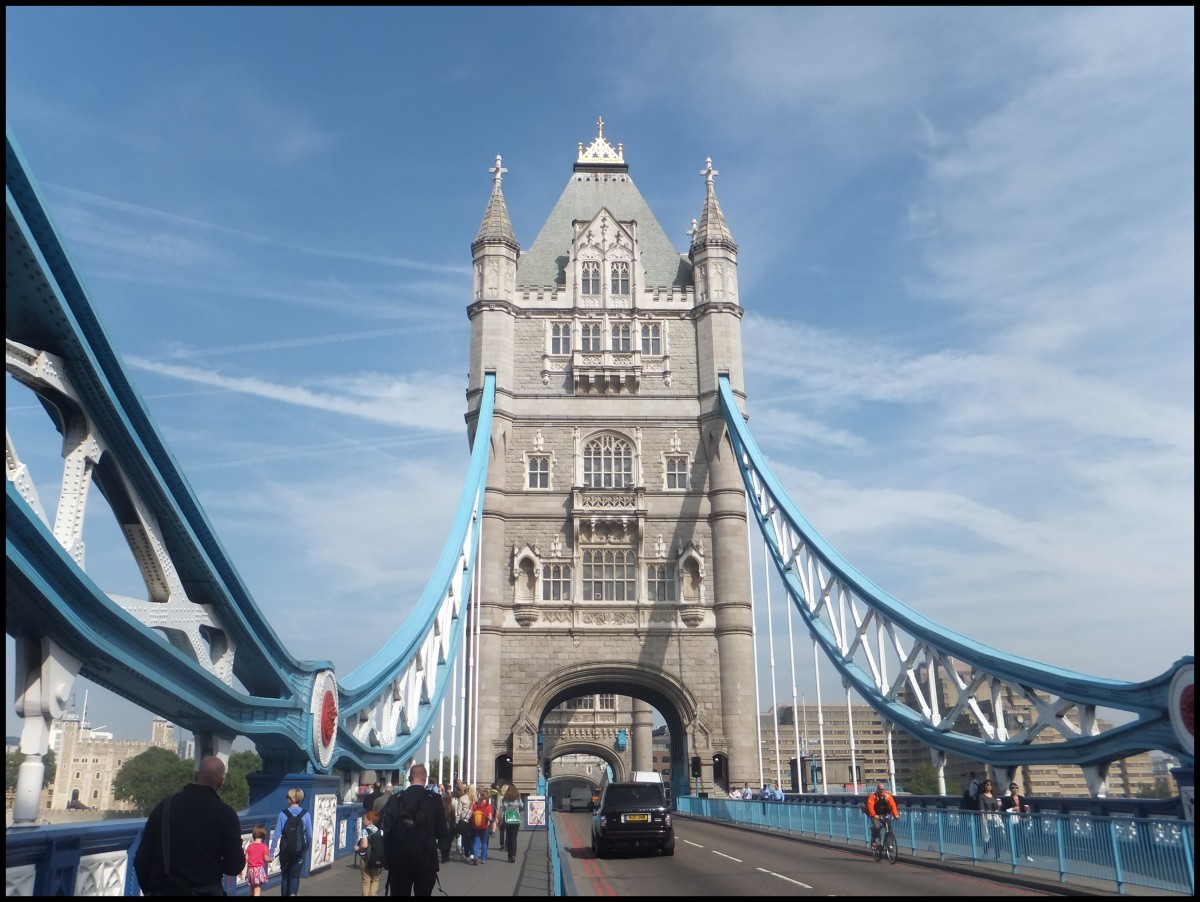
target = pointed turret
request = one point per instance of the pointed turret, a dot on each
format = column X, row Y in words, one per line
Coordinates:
column 496, row 227
column 495, row 249
column 711, row 231
column 713, row 251
column 714, row 270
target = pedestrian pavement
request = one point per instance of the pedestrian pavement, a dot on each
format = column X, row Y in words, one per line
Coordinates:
column 529, row 875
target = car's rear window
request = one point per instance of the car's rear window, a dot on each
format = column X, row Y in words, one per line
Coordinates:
column 648, row 795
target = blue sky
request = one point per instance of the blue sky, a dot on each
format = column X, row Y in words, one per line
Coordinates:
column 966, row 259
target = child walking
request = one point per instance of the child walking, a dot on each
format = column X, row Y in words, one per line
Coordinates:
column 257, row 858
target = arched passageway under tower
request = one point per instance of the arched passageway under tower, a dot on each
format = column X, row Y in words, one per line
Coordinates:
column 676, row 704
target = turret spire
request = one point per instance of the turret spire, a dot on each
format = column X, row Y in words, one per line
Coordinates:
column 711, row 230
column 496, row 226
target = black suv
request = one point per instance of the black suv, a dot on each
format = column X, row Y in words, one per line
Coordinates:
column 632, row 816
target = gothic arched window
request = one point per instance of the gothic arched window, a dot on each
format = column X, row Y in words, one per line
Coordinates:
column 620, row 337
column 608, row 463
column 590, row 270
column 609, row 575
column 620, row 277
column 560, row 338
column 651, row 339
column 589, row 337
column 660, row 582
column 556, row 582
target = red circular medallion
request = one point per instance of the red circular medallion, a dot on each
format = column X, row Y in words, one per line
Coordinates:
column 328, row 717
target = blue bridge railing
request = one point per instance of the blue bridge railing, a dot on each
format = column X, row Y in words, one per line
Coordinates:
column 1153, row 852
column 96, row 859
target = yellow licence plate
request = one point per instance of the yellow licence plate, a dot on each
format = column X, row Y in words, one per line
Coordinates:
column 636, row 818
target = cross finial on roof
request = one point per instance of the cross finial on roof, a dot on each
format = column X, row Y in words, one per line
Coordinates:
column 497, row 170
column 708, row 172
column 600, row 152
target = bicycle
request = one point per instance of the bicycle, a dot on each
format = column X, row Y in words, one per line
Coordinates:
column 885, row 844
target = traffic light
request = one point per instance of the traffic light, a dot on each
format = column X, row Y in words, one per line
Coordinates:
column 546, row 768
column 696, row 766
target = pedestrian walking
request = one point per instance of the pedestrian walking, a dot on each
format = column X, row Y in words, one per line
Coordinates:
column 992, row 825
column 447, row 800
column 192, row 839
column 481, row 824
column 258, row 856
column 510, row 816
column 368, row 801
column 462, row 817
column 292, row 840
column 368, row 847
column 1014, row 806
column 413, row 824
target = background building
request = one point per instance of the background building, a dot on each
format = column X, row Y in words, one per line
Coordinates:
column 867, row 761
column 88, row 761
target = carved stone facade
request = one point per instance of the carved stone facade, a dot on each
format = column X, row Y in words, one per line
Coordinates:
column 88, row 762
column 614, row 555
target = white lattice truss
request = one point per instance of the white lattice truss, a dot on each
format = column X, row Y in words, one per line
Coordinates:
column 951, row 691
column 193, row 628
column 865, row 637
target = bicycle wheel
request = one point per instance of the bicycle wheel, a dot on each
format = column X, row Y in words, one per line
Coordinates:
column 889, row 847
column 876, row 849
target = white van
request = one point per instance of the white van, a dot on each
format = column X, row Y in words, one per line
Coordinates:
column 645, row 776
column 580, row 799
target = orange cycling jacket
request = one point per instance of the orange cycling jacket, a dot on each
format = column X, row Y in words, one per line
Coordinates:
column 887, row 803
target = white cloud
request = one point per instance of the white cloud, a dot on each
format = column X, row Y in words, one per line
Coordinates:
column 422, row 400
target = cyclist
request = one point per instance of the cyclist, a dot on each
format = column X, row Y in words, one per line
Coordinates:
column 880, row 803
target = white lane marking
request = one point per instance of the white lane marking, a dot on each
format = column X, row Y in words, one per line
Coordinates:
column 730, row 857
column 781, row 877
column 696, row 844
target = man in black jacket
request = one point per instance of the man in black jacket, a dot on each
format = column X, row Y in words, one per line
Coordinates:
column 191, row 839
column 414, row 828
column 368, row 801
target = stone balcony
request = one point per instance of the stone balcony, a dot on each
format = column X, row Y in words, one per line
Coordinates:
column 606, row 372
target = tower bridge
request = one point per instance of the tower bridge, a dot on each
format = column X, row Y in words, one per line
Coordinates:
column 602, row 543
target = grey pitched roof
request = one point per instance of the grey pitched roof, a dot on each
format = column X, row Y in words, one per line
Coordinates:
column 587, row 191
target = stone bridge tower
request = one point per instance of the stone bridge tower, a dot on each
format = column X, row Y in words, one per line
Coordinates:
column 614, row 553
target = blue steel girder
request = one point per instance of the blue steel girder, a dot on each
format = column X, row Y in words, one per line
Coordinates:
column 950, row 691
column 215, row 634
column 195, row 599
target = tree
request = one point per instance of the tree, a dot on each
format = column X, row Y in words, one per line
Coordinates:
column 923, row 780
column 236, row 791
column 12, row 767
column 148, row 778
column 1160, row 790
column 437, row 768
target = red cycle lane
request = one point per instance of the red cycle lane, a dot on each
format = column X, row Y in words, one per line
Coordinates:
column 582, row 852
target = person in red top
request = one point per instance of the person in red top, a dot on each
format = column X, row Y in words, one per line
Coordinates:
column 879, row 803
column 257, row 858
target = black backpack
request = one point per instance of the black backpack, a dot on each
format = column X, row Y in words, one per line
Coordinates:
column 291, row 844
column 374, row 856
column 969, row 802
column 407, row 830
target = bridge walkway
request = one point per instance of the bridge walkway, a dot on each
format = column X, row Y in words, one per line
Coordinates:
column 528, row 876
